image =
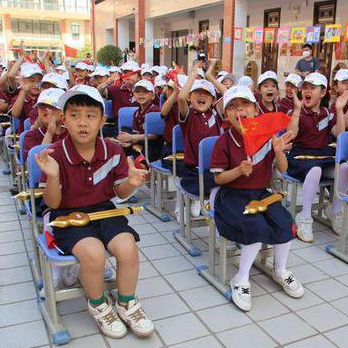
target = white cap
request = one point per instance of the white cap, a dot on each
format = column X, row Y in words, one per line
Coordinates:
column 246, row 81
column 226, row 76
column 201, row 73
column 222, row 73
column 145, row 71
column 66, row 75
column 131, row 65
column 29, row 70
column 100, row 71
column 164, row 69
column 144, row 84
column 58, row 80
column 81, row 90
column 114, row 69
column 81, row 66
column 238, row 92
column 50, row 97
column 181, row 80
column 268, row 75
column 61, row 67
column 316, row 79
column 90, row 68
column 294, row 79
column 341, row 75
column 157, row 69
column 203, row 84
column 159, row 81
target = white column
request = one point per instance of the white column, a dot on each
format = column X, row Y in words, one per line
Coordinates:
column 148, row 41
column 123, row 33
column 239, row 46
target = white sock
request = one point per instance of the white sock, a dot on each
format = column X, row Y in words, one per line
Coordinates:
column 247, row 257
column 309, row 190
column 281, row 254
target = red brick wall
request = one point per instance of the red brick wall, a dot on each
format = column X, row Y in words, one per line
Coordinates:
column 140, row 31
column 227, row 48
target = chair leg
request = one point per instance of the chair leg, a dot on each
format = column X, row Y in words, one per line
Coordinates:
column 187, row 230
column 152, row 188
column 223, row 260
column 293, row 203
column 159, row 192
column 212, row 246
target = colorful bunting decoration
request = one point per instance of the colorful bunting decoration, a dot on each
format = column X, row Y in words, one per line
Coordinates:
column 269, row 36
column 298, row 35
column 238, row 34
column 332, row 33
column 258, row 35
column 283, row 35
column 313, row 34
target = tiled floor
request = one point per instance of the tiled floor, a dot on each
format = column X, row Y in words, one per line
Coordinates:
column 188, row 312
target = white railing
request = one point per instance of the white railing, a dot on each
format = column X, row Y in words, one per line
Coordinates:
column 36, row 36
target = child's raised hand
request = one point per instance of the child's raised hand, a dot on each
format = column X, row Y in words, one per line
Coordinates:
column 136, row 177
column 26, row 86
column 246, row 168
column 297, row 102
column 342, row 101
column 47, row 163
column 52, row 122
column 282, row 143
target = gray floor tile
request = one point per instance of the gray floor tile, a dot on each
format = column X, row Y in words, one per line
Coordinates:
column 164, row 306
column 323, row 317
column 266, row 282
column 332, row 267
column 204, row 297
column 185, row 280
column 17, row 292
column 165, row 226
column 93, row 341
column 312, row 342
column 343, row 279
column 24, row 335
column 339, row 336
column 323, row 238
column 249, row 336
column 15, row 275
column 131, row 341
column 135, row 220
column 15, row 260
column 265, row 307
column 329, row 289
column 147, row 271
column 12, row 248
column 341, row 305
column 297, row 244
column 308, row 274
column 145, row 229
column 160, row 252
column 18, row 313
column 152, row 287
column 151, row 240
column 11, row 236
column 180, row 328
column 72, row 306
column 172, row 264
column 7, row 208
column 8, row 217
column 80, row 324
column 208, row 341
column 225, row 317
column 10, row 226
column 287, row 328
column 312, row 254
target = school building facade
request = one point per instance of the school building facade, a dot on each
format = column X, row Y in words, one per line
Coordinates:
column 141, row 24
column 43, row 24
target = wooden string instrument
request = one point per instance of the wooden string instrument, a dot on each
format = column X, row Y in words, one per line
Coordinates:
column 255, row 207
column 24, row 195
column 178, row 156
column 109, row 123
column 137, row 148
column 5, row 124
column 312, row 157
column 82, row 219
column 334, row 145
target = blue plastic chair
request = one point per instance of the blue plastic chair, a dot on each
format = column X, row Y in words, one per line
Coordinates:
column 108, row 110
column 162, row 100
column 341, row 250
column 27, row 124
column 178, row 146
column 154, row 124
column 125, row 117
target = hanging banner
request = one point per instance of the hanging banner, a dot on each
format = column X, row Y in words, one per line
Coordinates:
column 269, row 36
column 332, row 33
column 313, row 34
column 258, row 35
column 238, row 34
column 249, row 34
column 298, row 35
column 283, row 35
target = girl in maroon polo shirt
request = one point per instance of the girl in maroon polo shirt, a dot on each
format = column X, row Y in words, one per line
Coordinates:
column 242, row 180
column 293, row 83
column 313, row 125
column 268, row 89
column 197, row 121
column 340, row 85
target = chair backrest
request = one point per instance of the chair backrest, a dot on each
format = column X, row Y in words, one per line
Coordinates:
column 27, row 124
column 178, row 140
column 125, row 117
column 342, row 148
column 204, row 155
column 15, row 122
column 108, row 109
column 154, row 124
column 162, row 100
column 21, row 160
column 33, row 168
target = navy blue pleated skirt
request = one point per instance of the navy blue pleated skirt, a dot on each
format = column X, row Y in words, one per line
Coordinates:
column 299, row 168
column 274, row 226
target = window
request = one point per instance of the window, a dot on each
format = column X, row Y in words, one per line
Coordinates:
column 28, row 26
column 75, row 31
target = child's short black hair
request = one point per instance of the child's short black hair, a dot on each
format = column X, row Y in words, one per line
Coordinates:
column 83, row 100
column 307, row 45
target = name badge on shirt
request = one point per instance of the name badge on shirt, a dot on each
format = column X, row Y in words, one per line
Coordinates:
column 211, row 121
column 325, row 122
column 261, row 154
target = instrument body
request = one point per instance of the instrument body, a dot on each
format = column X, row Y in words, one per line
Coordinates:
column 255, row 207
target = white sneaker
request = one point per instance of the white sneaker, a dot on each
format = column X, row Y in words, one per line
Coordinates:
column 241, row 295
column 107, row 320
column 195, row 208
column 335, row 219
column 70, row 275
column 304, row 228
column 290, row 284
column 135, row 317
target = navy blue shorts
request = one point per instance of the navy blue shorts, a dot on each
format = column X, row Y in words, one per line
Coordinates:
column 104, row 230
column 300, row 168
column 274, row 226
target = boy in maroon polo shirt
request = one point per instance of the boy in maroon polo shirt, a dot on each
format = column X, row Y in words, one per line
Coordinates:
column 293, row 84
column 83, row 172
column 268, row 89
column 144, row 95
column 81, row 71
column 24, row 102
column 49, row 114
column 243, row 179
